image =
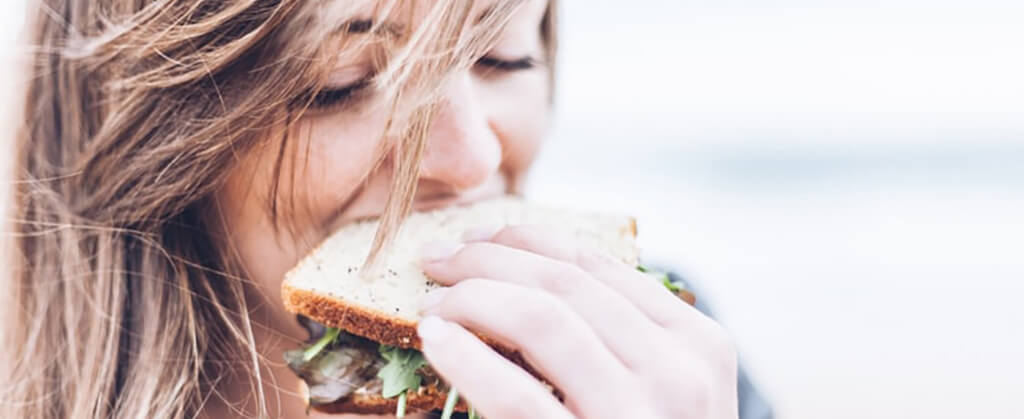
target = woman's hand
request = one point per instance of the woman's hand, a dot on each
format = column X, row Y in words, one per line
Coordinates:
column 615, row 342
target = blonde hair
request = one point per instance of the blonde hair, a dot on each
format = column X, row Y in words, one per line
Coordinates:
column 120, row 303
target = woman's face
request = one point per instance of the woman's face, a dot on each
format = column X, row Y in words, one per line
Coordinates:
column 483, row 139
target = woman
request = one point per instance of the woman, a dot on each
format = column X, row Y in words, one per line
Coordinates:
column 178, row 156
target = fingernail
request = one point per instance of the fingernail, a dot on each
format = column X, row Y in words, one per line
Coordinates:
column 439, row 250
column 433, row 330
column 481, row 233
column 430, row 301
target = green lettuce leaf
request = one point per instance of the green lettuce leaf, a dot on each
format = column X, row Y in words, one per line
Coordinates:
column 333, row 367
column 672, row 286
column 399, row 374
column 663, row 277
column 313, row 350
column 677, row 288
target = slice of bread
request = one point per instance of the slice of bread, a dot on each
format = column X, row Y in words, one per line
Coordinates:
column 327, row 286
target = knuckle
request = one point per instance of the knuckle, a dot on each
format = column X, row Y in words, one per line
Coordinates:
column 536, row 315
column 694, row 398
column 545, row 320
column 564, row 279
column 697, row 381
column 720, row 348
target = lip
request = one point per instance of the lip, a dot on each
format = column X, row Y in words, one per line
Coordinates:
column 430, row 204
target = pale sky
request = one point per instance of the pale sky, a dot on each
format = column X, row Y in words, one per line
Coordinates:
column 894, row 71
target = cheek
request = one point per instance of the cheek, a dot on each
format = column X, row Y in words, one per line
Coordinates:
column 518, row 110
column 337, row 154
column 325, row 161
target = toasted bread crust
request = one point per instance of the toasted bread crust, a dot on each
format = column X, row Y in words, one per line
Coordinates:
column 371, row 324
column 425, row 399
column 337, row 313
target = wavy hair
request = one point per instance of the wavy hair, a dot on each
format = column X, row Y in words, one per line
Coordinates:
column 120, row 303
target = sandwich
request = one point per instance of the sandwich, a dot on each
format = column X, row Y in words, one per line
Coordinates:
column 363, row 352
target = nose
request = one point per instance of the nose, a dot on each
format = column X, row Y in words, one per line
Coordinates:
column 462, row 150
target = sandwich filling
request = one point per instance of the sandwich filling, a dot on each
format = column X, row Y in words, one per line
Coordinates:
column 337, row 364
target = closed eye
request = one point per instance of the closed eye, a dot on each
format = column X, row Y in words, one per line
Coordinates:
column 339, row 96
column 492, row 63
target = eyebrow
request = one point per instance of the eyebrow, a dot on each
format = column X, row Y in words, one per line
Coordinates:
column 361, row 26
column 357, row 26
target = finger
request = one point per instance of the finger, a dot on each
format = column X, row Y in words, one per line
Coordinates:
column 693, row 331
column 550, row 336
column 649, row 296
column 618, row 323
column 494, row 261
column 496, row 387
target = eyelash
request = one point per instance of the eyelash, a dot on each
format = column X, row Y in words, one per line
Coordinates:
column 331, row 98
column 491, row 63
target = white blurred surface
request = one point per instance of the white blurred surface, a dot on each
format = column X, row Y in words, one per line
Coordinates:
column 845, row 179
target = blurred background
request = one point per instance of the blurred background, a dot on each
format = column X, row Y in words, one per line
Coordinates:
column 843, row 179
